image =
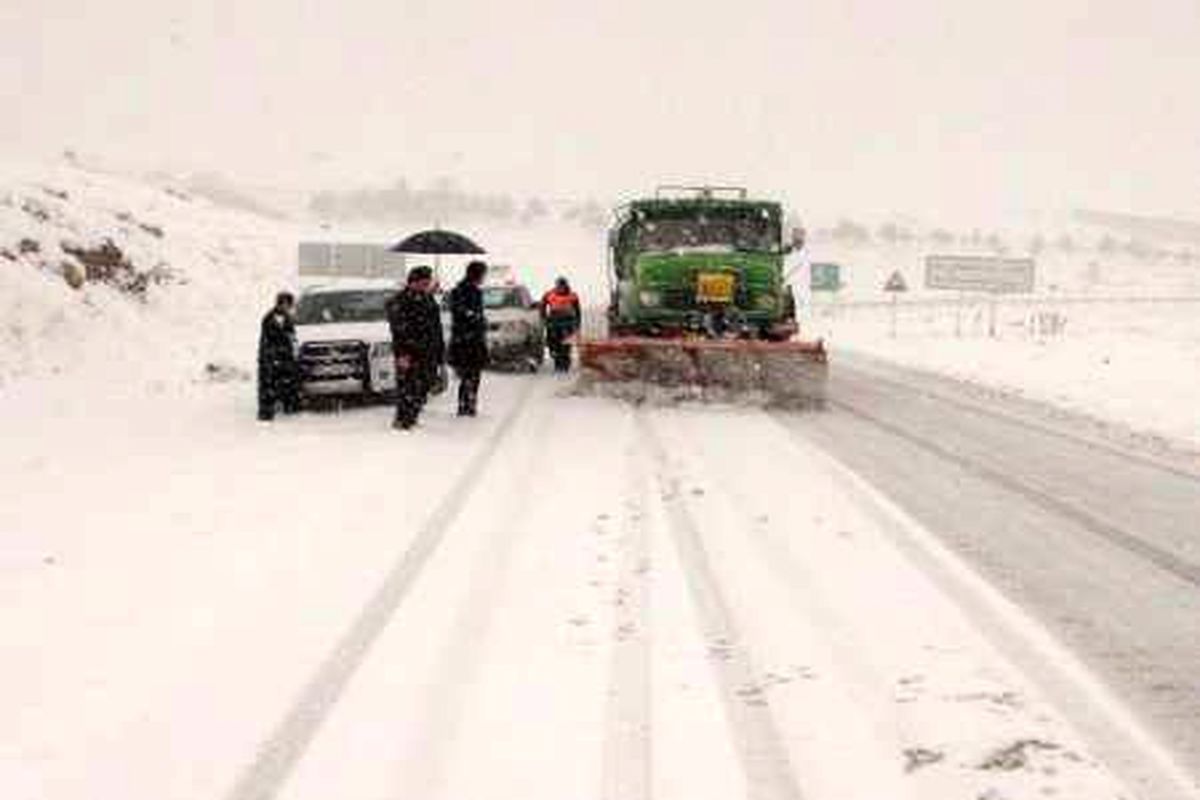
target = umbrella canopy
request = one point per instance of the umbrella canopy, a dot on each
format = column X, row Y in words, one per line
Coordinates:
column 438, row 242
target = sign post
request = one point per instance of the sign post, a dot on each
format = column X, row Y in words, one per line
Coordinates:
column 894, row 286
column 990, row 275
column 350, row 260
column 825, row 276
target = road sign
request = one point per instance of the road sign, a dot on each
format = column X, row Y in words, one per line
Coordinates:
column 350, row 260
column 825, row 277
column 896, row 283
column 980, row 274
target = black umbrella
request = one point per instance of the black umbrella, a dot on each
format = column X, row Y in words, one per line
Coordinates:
column 438, row 243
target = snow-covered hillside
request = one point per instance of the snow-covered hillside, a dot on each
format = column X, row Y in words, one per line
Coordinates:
column 176, row 282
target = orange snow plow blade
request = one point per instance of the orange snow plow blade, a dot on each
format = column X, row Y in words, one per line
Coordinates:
column 791, row 373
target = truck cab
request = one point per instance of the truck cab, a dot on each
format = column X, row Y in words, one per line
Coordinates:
column 703, row 260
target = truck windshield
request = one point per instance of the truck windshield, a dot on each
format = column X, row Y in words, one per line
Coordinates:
column 348, row 306
column 723, row 233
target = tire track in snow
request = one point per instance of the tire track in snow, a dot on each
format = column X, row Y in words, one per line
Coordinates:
column 283, row 748
column 442, row 708
column 765, row 761
column 783, row 563
column 628, row 727
column 1185, row 571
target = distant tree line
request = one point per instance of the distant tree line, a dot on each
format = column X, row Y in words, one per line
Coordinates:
column 893, row 234
column 444, row 203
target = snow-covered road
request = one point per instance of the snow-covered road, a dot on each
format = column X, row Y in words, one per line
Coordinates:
column 1093, row 531
column 568, row 597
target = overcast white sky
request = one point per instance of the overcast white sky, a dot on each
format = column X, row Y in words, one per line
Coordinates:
column 917, row 105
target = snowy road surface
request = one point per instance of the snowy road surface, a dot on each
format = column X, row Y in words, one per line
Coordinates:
column 571, row 597
column 1097, row 539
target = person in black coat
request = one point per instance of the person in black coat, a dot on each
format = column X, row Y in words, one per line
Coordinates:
column 417, row 344
column 278, row 372
column 468, row 336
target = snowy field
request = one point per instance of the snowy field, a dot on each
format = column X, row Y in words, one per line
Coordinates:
column 1132, row 363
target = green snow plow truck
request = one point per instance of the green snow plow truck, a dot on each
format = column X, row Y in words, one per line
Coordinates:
column 700, row 302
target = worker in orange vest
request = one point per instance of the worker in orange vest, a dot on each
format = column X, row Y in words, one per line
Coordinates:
column 562, row 317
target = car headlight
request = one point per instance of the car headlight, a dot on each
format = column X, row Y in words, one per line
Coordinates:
column 381, row 349
column 650, row 299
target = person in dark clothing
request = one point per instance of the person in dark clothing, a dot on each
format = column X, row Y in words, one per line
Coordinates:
column 562, row 317
column 278, row 372
column 417, row 344
column 468, row 336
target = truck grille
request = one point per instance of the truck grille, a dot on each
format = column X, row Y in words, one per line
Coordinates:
column 684, row 299
column 331, row 361
column 678, row 299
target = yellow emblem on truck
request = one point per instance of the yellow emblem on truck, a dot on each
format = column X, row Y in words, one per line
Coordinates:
column 714, row 287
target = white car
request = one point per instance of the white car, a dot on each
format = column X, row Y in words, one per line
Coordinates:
column 345, row 344
column 516, row 337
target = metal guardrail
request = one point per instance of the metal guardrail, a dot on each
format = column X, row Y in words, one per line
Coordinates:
column 1006, row 300
column 971, row 314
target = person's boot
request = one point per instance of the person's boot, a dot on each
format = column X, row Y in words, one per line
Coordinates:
column 465, row 407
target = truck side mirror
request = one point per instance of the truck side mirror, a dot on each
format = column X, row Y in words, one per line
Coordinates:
column 797, row 242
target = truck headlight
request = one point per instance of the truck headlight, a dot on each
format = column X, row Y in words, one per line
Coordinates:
column 650, row 299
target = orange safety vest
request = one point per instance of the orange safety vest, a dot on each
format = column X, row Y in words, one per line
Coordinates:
column 560, row 305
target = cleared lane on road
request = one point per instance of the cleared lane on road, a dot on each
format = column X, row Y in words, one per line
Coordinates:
column 1101, row 545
